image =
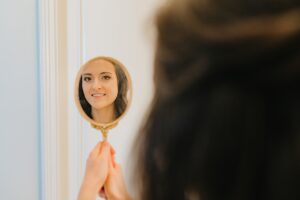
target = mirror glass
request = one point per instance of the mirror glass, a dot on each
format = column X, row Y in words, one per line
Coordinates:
column 103, row 92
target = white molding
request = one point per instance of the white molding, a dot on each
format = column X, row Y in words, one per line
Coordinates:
column 53, row 80
column 75, row 121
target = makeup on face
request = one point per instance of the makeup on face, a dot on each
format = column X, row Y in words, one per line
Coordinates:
column 100, row 84
column 103, row 92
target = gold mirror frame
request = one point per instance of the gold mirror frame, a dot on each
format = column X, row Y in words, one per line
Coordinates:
column 103, row 127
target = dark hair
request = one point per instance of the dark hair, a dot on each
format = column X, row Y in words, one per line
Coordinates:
column 225, row 118
column 121, row 99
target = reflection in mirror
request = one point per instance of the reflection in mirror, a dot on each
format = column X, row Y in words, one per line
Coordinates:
column 103, row 92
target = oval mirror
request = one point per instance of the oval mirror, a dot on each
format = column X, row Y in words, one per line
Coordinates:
column 103, row 92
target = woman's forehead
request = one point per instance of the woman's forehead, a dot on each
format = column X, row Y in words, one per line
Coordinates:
column 98, row 67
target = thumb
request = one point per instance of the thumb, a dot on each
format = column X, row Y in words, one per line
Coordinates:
column 105, row 149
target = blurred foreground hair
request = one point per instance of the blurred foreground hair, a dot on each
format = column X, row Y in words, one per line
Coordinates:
column 225, row 118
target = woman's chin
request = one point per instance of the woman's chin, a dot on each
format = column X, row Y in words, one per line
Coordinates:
column 98, row 107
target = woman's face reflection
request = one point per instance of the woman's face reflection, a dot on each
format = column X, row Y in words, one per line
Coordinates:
column 100, row 88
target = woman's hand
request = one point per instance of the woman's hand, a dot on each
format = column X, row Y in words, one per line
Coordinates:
column 115, row 188
column 97, row 169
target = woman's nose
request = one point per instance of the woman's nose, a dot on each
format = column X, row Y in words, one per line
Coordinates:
column 97, row 84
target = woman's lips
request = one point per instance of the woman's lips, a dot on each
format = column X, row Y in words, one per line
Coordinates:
column 98, row 95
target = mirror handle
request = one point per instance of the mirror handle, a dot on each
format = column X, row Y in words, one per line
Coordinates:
column 104, row 130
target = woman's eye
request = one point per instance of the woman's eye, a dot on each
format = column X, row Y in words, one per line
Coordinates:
column 87, row 79
column 106, row 77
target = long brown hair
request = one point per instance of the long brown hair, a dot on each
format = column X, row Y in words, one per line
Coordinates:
column 224, row 121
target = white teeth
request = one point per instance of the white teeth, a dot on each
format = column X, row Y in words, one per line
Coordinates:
column 98, row 95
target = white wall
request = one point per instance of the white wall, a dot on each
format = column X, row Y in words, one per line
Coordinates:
column 19, row 123
column 121, row 29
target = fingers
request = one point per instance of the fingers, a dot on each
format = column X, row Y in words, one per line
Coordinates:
column 102, row 193
column 114, row 169
column 118, row 170
column 115, row 187
column 113, row 152
column 105, row 147
column 110, row 165
column 112, row 160
column 105, row 153
column 95, row 151
column 102, row 147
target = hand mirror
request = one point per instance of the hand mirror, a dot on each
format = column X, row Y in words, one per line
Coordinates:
column 103, row 92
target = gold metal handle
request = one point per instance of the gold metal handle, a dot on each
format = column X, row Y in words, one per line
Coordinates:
column 104, row 130
column 104, row 134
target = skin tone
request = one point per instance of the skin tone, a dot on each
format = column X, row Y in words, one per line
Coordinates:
column 103, row 176
column 102, row 171
column 100, row 88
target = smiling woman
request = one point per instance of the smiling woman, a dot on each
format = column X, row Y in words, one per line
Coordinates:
column 100, row 88
column 103, row 87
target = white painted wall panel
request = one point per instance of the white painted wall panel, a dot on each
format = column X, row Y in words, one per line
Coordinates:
column 19, row 168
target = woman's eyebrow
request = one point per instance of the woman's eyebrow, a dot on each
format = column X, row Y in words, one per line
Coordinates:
column 87, row 74
column 105, row 73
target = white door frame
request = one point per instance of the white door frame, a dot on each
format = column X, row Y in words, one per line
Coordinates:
column 61, row 55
